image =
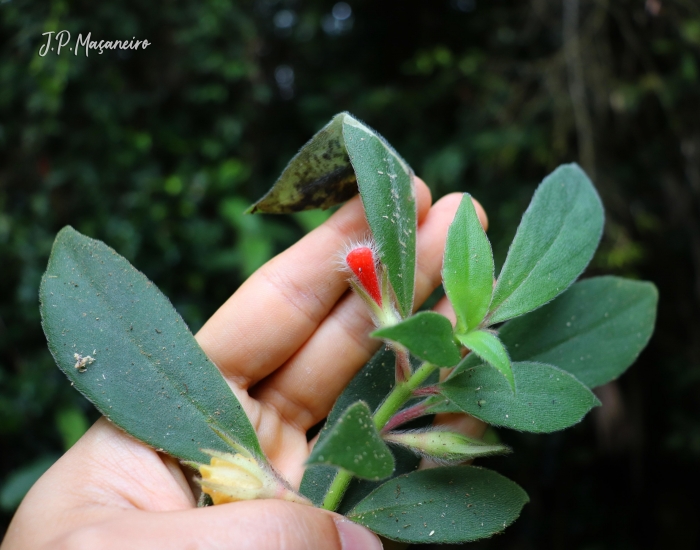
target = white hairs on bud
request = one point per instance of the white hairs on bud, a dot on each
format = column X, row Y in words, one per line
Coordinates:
column 365, row 242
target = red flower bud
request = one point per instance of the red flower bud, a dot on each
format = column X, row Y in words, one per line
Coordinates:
column 362, row 263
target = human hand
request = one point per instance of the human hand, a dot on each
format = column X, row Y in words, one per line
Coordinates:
column 287, row 342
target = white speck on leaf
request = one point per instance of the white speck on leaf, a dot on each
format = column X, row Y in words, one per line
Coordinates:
column 81, row 363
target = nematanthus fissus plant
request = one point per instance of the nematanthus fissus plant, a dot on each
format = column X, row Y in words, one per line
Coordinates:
column 524, row 354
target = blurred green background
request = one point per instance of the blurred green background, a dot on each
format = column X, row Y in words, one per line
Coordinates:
column 158, row 151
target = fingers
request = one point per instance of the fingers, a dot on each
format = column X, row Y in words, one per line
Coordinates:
column 105, row 470
column 111, row 491
column 282, row 304
column 305, row 388
column 250, row 525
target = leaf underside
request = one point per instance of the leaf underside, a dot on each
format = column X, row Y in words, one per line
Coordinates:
column 149, row 376
column 319, row 176
column 345, row 157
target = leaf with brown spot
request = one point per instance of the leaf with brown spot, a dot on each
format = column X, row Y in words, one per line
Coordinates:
column 319, row 176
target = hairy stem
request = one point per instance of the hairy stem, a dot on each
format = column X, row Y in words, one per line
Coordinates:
column 403, row 364
column 406, row 415
column 337, row 490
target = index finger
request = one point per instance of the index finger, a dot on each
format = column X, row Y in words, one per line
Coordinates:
column 279, row 307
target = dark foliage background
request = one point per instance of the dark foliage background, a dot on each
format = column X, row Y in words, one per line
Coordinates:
column 158, row 151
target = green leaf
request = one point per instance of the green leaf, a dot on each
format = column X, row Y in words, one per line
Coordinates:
column 355, row 445
column 467, row 271
column 595, row 330
column 343, row 156
column 319, row 176
column 371, row 384
column 469, row 361
column 441, row 505
column 427, row 335
column 439, row 404
column 145, row 372
column 556, row 239
column 386, row 186
column 405, row 461
column 488, row 347
column 548, row 398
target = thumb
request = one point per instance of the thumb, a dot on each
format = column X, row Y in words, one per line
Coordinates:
column 250, row 525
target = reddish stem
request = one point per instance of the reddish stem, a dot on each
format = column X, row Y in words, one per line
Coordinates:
column 427, row 391
column 403, row 365
column 406, row 415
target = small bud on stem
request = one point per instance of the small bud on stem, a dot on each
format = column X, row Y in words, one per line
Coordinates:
column 370, row 282
column 443, row 446
column 362, row 263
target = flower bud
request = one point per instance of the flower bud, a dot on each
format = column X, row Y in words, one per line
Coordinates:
column 443, row 446
column 233, row 477
column 362, row 262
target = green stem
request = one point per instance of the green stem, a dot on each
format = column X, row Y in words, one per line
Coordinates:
column 400, row 394
column 395, row 400
column 337, row 490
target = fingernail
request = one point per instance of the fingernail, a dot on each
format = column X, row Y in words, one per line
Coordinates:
column 356, row 537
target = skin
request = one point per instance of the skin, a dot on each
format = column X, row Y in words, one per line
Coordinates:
column 288, row 341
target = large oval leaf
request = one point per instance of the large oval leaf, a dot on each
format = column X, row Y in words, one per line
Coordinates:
column 555, row 241
column 385, row 182
column 595, row 330
column 452, row 504
column 146, row 372
column 548, row 399
column 467, row 271
column 319, row 176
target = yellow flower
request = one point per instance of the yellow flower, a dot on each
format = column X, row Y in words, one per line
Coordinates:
column 233, row 477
